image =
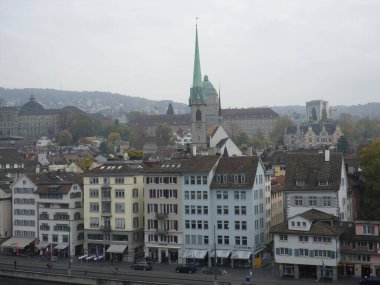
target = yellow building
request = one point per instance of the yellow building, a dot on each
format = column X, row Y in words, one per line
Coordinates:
column 114, row 211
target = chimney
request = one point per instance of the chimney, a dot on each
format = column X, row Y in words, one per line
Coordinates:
column 37, row 168
column 249, row 151
column 194, row 150
column 327, row 155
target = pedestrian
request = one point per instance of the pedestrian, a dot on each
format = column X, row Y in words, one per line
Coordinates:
column 15, row 262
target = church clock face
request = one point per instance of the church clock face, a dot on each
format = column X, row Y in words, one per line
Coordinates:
column 199, row 125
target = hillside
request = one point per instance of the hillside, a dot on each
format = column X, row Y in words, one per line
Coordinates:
column 114, row 104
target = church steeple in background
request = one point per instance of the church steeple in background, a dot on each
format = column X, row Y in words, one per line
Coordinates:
column 197, row 95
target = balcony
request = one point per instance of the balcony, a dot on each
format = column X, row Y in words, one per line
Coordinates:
column 162, row 231
column 161, row 216
column 106, row 214
column 105, row 228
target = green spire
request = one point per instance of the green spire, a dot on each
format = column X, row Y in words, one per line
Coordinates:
column 197, row 95
column 197, row 76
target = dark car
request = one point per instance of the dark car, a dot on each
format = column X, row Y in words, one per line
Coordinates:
column 186, row 269
column 370, row 281
column 141, row 265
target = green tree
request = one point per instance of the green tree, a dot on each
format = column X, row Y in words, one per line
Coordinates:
column 64, row 138
column 342, row 145
column 134, row 134
column 260, row 140
column 242, row 139
column 134, row 116
column 370, row 165
column 348, row 126
column 170, row 110
column 164, row 132
column 80, row 125
column 277, row 134
column 135, row 154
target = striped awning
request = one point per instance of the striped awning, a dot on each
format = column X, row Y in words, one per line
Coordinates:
column 240, row 254
column 18, row 242
column 195, row 253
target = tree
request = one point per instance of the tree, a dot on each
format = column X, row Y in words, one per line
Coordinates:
column 164, row 132
column 260, row 140
column 370, row 165
column 342, row 145
column 85, row 162
column 134, row 116
column 277, row 134
column 135, row 154
column 170, row 110
column 80, row 125
column 242, row 138
column 64, row 138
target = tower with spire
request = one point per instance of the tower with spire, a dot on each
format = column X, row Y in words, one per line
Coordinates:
column 198, row 102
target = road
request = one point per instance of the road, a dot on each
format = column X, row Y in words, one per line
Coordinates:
column 164, row 273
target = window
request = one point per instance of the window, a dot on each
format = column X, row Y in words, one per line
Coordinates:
column 220, row 239
column 303, row 238
column 94, row 180
column 136, row 222
column 326, row 201
column 119, row 180
column 94, row 207
column 304, row 252
column 204, row 180
column 55, row 238
column 312, row 201
column 119, row 223
column 219, row 210
column 323, row 183
column 135, row 192
column 284, row 251
column 298, row 200
column 94, row 222
column 135, row 208
column 225, row 195
column 283, row 238
column 198, row 116
column 94, row 193
column 119, row 207
column 368, row 229
column 218, row 194
column 225, row 210
column 300, row 182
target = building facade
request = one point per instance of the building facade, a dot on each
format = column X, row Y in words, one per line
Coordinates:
column 315, row 110
column 113, row 211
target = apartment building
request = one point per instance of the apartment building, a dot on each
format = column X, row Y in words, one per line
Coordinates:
column 113, row 211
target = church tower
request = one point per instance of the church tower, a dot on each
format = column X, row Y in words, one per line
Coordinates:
column 198, row 103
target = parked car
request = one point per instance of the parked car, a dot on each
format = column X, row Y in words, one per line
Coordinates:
column 141, row 265
column 186, row 269
column 370, row 281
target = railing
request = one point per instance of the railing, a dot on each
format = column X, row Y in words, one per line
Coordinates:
column 161, row 216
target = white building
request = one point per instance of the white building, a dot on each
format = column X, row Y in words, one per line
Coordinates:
column 47, row 213
column 316, row 181
column 308, row 245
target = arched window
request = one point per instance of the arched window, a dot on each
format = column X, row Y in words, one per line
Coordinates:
column 198, row 116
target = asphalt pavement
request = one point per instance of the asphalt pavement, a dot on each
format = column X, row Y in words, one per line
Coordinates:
column 160, row 272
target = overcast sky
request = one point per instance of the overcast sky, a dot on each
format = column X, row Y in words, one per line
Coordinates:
column 261, row 53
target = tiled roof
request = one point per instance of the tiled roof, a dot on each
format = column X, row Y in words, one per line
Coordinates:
column 10, row 155
column 277, row 157
column 248, row 113
column 316, row 215
column 172, row 120
column 230, row 166
column 317, row 228
column 349, row 234
column 317, row 128
column 62, row 182
column 312, row 168
column 197, row 164
column 116, row 169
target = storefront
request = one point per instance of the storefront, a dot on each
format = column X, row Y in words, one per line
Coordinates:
column 241, row 258
column 197, row 256
column 116, row 251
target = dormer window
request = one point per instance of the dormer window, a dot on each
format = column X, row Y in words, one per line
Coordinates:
column 300, row 182
column 282, row 159
column 323, row 182
column 236, row 178
column 224, row 177
column 218, row 178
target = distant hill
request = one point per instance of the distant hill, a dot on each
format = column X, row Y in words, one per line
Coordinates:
column 90, row 101
column 114, row 104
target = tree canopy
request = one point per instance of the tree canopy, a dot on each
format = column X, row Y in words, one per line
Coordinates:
column 170, row 110
column 370, row 165
column 165, row 132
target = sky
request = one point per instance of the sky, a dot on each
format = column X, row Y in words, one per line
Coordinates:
column 258, row 52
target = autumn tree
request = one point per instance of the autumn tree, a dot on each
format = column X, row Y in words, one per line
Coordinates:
column 164, row 132
column 80, row 125
column 370, row 165
column 85, row 162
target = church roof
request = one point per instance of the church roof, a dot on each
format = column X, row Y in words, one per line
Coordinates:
column 249, row 113
column 32, row 105
column 330, row 128
column 208, row 88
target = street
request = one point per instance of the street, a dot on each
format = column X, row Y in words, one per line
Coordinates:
column 162, row 273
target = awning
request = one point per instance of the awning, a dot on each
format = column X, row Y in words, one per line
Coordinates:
column 195, row 253
column 61, row 246
column 221, row 253
column 18, row 242
column 240, row 254
column 43, row 245
column 117, row 248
